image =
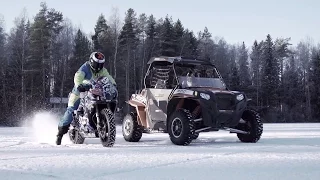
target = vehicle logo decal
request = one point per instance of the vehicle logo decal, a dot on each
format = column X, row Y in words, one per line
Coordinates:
column 184, row 91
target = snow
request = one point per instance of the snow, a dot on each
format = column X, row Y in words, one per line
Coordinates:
column 285, row 151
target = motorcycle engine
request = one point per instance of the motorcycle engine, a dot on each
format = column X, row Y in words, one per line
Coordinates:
column 83, row 120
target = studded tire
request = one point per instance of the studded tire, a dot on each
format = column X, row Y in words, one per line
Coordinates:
column 107, row 135
column 195, row 136
column 76, row 137
column 131, row 130
column 253, row 125
column 181, row 127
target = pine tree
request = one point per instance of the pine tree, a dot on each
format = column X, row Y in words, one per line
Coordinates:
column 54, row 22
column 193, row 45
column 221, row 58
column 81, row 52
column 44, row 30
column 129, row 31
column 245, row 80
column 156, row 49
column 39, row 47
column 179, row 35
column 128, row 40
column 256, row 70
column 3, row 90
column 102, row 41
column 189, row 45
column 234, row 79
column 152, row 37
column 151, row 27
column 315, row 81
column 99, row 31
column 168, row 44
column 142, row 33
column 255, row 62
column 206, row 45
column 270, row 80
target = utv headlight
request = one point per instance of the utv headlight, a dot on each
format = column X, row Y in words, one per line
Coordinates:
column 240, row 97
column 205, row 96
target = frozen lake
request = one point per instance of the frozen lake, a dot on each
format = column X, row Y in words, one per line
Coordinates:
column 285, row 151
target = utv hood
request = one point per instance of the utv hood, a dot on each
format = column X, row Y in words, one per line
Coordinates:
column 217, row 91
column 221, row 107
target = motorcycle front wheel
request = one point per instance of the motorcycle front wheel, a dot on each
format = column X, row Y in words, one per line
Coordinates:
column 107, row 129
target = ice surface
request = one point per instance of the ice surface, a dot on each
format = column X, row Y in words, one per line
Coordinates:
column 285, row 151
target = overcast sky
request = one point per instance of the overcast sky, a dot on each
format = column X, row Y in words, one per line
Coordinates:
column 235, row 20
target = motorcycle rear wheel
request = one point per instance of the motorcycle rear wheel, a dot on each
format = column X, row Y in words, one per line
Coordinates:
column 76, row 137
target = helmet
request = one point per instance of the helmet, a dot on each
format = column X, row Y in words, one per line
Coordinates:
column 96, row 61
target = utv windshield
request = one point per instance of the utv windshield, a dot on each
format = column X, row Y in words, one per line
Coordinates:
column 187, row 82
column 200, row 76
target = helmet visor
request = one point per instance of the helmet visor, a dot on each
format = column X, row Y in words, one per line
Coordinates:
column 96, row 65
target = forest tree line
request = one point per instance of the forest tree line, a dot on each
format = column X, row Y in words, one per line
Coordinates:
column 39, row 57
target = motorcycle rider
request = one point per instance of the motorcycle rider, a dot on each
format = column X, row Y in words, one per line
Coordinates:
column 91, row 69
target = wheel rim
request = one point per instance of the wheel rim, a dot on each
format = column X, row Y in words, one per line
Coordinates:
column 247, row 126
column 127, row 127
column 248, row 123
column 73, row 135
column 103, row 129
column 176, row 127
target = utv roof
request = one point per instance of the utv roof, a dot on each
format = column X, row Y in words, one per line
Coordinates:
column 180, row 60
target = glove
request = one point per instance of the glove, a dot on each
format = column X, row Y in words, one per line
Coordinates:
column 84, row 87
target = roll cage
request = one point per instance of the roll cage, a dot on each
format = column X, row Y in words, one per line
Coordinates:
column 163, row 71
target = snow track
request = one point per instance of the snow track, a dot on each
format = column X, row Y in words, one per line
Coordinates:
column 285, row 151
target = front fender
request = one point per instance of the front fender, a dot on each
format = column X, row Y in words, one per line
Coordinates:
column 140, row 110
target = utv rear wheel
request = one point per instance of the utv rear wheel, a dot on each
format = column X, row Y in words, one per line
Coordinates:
column 76, row 137
column 181, row 127
column 131, row 130
column 253, row 125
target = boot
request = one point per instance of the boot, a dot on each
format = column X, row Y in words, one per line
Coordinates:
column 59, row 139
column 61, row 131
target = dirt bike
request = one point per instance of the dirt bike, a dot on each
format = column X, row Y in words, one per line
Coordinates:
column 95, row 114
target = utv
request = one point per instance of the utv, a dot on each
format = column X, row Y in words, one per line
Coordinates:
column 185, row 96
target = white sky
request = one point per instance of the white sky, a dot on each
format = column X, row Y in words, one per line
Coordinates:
column 234, row 20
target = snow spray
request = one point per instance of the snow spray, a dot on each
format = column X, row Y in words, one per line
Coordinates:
column 44, row 128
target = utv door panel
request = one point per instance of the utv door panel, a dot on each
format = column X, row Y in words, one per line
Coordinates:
column 157, row 103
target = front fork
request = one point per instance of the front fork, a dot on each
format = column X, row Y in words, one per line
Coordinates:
column 98, row 116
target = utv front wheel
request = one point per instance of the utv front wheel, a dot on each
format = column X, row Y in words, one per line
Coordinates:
column 195, row 136
column 253, row 125
column 131, row 130
column 181, row 127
